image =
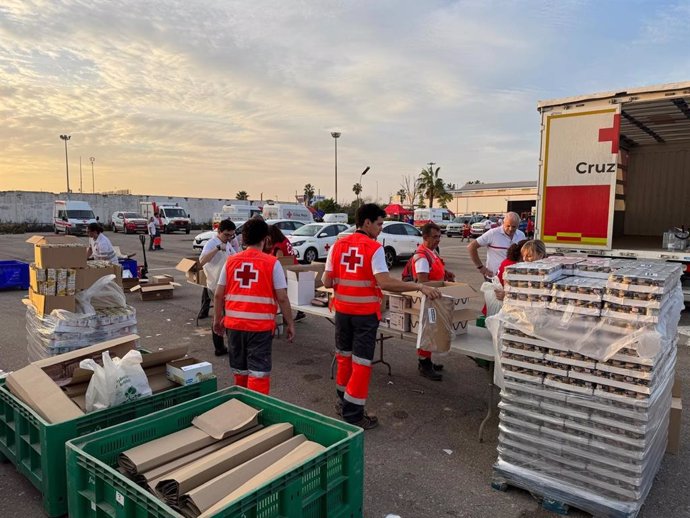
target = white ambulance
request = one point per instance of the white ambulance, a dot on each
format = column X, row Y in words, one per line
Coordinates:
column 439, row 216
column 72, row 217
column 293, row 211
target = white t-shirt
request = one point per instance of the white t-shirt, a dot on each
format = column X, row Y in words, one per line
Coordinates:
column 378, row 261
column 279, row 280
column 497, row 243
column 102, row 249
column 152, row 228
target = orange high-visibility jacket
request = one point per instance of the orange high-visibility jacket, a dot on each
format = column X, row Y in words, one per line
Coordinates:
column 250, row 303
column 437, row 269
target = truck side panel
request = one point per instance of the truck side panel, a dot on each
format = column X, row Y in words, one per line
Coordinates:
column 578, row 177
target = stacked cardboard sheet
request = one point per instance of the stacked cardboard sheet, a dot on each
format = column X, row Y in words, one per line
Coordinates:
column 224, row 454
column 586, row 399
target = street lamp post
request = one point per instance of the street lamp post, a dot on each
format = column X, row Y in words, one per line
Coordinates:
column 336, row 135
column 360, row 182
column 66, row 138
column 93, row 178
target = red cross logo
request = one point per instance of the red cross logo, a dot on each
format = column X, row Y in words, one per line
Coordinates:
column 289, row 214
column 246, row 275
column 327, row 246
column 611, row 134
column 352, row 260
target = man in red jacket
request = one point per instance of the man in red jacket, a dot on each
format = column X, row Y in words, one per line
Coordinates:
column 427, row 265
column 251, row 287
column 356, row 270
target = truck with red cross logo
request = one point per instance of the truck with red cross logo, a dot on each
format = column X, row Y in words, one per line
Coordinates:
column 293, row 211
column 614, row 174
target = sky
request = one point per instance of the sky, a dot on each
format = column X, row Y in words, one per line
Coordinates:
column 208, row 98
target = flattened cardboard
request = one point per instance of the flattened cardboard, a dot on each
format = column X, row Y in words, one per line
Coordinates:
column 151, row 478
column 87, row 276
column 160, row 383
column 227, row 419
column 187, row 371
column 35, row 388
column 129, row 282
column 205, row 496
column 155, row 292
column 674, row 426
column 163, row 450
column 214, row 464
column 46, row 256
column 295, row 458
column 45, row 304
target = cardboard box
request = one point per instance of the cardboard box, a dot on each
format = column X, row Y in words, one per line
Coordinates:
column 462, row 319
column 458, row 291
column 317, row 268
column 129, row 282
column 47, row 256
column 674, row 426
column 44, row 304
column 193, row 271
column 87, row 276
column 301, row 286
column 399, row 321
column 398, row 302
column 677, row 389
column 414, row 323
column 188, row 370
column 149, row 291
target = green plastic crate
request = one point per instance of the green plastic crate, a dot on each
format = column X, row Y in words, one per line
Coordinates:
column 331, row 484
column 37, row 448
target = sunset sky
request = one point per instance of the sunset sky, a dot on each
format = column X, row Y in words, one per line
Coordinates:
column 207, row 98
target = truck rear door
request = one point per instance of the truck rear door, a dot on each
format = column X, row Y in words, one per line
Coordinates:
column 577, row 177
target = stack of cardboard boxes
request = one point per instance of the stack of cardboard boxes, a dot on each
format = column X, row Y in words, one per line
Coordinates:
column 583, row 417
column 59, row 272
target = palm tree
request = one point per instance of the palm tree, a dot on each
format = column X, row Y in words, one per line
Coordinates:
column 401, row 194
column 309, row 192
column 357, row 189
column 430, row 184
column 242, row 195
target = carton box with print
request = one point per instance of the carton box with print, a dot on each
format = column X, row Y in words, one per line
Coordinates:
column 58, row 251
column 459, row 292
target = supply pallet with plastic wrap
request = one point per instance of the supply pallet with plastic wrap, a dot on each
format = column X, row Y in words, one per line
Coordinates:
column 587, row 353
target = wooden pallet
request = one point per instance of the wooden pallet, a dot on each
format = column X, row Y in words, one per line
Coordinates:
column 556, row 500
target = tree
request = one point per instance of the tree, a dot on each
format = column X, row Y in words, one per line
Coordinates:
column 402, row 193
column 328, row 206
column 242, row 195
column 357, row 189
column 474, row 182
column 410, row 185
column 420, row 203
column 309, row 192
column 431, row 185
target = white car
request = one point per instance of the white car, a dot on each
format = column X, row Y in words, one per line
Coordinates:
column 399, row 240
column 477, row 229
column 313, row 241
column 455, row 226
column 286, row 226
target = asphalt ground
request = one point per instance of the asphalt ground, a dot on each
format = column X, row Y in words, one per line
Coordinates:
column 423, row 461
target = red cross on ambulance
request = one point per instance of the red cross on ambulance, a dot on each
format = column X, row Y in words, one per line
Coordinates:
column 246, row 275
column 352, row 260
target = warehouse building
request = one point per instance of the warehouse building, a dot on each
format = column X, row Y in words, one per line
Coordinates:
column 494, row 198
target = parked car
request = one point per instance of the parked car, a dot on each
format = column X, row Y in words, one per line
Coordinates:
column 128, row 222
column 313, row 241
column 286, row 226
column 477, row 229
column 454, row 228
column 72, row 217
column 399, row 240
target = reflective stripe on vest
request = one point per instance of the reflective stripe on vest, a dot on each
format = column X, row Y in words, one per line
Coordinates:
column 249, row 293
column 354, row 284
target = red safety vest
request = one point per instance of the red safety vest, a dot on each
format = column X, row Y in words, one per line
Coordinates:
column 286, row 248
column 437, row 269
column 354, row 284
column 250, row 303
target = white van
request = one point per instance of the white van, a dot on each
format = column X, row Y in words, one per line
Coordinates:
column 172, row 217
column 72, row 217
column 338, row 217
column 293, row 211
column 438, row 215
column 235, row 213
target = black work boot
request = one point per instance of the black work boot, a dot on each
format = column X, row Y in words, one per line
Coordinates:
column 426, row 369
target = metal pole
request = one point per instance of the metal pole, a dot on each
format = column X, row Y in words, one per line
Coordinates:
column 93, row 177
column 80, row 184
column 66, row 138
column 336, row 135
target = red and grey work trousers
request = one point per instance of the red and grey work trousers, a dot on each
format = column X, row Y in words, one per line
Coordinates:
column 355, row 342
column 250, row 358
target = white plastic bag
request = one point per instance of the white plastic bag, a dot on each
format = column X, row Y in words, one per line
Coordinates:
column 493, row 305
column 104, row 293
column 116, row 382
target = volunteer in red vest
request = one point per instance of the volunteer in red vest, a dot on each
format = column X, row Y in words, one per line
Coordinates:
column 427, row 265
column 356, row 270
column 252, row 287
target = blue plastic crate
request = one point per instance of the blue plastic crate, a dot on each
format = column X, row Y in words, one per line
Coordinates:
column 14, row 275
column 131, row 265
